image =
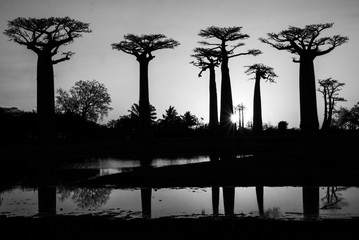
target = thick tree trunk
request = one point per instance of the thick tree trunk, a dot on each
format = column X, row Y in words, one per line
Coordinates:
column 325, row 120
column 330, row 112
column 144, row 103
column 308, row 102
column 226, row 100
column 45, row 96
column 213, row 107
column 257, row 107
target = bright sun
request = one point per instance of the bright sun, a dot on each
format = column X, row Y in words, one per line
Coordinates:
column 234, row 118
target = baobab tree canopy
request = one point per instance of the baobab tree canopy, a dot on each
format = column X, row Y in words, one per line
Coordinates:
column 144, row 44
column 46, row 34
column 262, row 71
column 206, row 58
column 305, row 40
column 226, row 34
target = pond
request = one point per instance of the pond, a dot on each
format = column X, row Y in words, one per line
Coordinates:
column 282, row 202
column 270, row 202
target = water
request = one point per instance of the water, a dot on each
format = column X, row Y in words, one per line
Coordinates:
column 278, row 202
column 290, row 202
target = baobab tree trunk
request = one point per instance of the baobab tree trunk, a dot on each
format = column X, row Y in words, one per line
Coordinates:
column 45, row 96
column 308, row 102
column 226, row 100
column 330, row 113
column 325, row 120
column 213, row 108
column 257, row 107
column 144, row 103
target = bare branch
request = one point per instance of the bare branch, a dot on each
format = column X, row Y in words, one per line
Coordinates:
column 68, row 55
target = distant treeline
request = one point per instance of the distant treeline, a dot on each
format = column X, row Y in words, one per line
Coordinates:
column 19, row 125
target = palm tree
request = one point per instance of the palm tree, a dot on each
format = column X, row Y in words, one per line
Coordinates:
column 171, row 115
column 261, row 71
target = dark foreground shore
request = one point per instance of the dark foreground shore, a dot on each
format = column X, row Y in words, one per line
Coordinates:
column 172, row 228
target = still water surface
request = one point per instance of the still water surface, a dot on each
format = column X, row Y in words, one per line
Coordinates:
column 278, row 202
column 291, row 202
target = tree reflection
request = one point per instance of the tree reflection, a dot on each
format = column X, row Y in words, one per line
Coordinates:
column 273, row 212
column 146, row 194
column 333, row 198
column 86, row 197
column 260, row 197
column 228, row 200
column 310, row 202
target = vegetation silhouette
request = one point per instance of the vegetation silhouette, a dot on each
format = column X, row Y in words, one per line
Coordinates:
column 305, row 43
column 329, row 88
column 142, row 47
column 264, row 72
column 226, row 35
column 348, row 118
column 88, row 99
column 240, row 108
column 45, row 36
column 207, row 58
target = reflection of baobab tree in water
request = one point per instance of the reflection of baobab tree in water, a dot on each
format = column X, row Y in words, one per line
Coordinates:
column 333, row 198
column 86, row 197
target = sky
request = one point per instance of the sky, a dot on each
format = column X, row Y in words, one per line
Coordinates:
column 173, row 81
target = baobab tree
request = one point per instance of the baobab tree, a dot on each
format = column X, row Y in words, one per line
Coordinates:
column 329, row 88
column 266, row 73
column 240, row 108
column 207, row 58
column 45, row 36
column 305, row 43
column 225, row 35
column 142, row 47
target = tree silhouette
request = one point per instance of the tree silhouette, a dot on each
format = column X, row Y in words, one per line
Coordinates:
column 142, row 47
column 135, row 112
column 189, row 120
column 348, row 118
column 261, row 71
column 329, row 88
column 209, row 59
column 45, row 36
column 305, row 43
column 226, row 35
column 171, row 115
column 240, row 108
column 88, row 99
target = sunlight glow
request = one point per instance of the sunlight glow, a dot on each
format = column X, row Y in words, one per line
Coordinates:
column 234, row 118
